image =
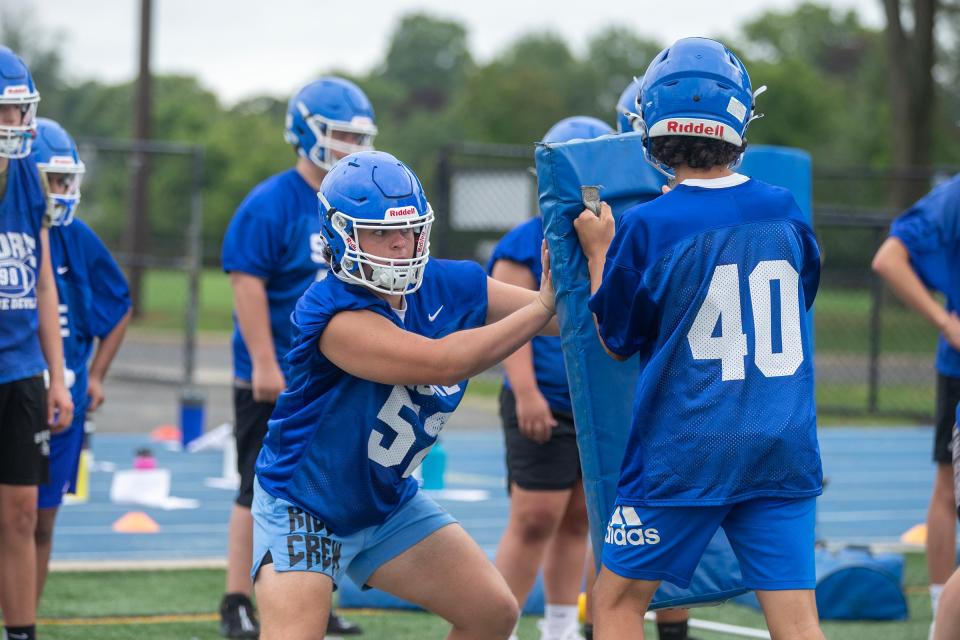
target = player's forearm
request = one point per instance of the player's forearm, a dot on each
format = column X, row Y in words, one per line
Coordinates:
column 253, row 316
column 892, row 263
column 519, row 369
column 464, row 354
column 107, row 349
column 51, row 342
column 595, row 265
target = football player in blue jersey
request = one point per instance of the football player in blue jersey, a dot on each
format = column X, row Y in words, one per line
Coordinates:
column 382, row 352
column 548, row 514
column 273, row 251
column 710, row 286
column 28, row 309
column 94, row 308
column 627, row 118
column 923, row 254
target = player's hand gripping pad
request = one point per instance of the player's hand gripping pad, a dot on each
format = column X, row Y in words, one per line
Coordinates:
column 602, row 389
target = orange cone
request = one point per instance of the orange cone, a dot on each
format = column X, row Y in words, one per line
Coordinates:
column 136, row 522
column 917, row 534
column 166, row 433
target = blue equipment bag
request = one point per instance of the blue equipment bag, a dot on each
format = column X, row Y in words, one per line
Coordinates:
column 855, row 584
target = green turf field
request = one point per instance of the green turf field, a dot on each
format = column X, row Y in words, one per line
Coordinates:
column 181, row 604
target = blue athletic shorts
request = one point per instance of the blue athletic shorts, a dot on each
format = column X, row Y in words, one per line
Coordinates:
column 65, row 450
column 299, row 541
column 773, row 539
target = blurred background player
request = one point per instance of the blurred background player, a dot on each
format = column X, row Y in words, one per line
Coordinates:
column 947, row 621
column 94, row 307
column 548, row 515
column 706, row 448
column 383, row 351
column 923, row 254
column 28, row 309
column 273, row 251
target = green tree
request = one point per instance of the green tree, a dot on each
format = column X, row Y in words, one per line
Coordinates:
column 428, row 57
column 615, row 56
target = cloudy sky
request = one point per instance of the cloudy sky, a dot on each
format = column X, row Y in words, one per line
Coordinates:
column 244, row 47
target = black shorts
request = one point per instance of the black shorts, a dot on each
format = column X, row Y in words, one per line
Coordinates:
column 24, row 433
column 250, row 420
column 948, row 395
column 551, row 466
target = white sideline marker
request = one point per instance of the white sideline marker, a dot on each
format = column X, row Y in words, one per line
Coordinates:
column 719, row 627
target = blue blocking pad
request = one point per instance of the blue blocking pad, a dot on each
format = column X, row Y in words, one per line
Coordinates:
column 601, row 388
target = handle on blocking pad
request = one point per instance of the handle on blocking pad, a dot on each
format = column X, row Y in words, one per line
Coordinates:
column 591, row 198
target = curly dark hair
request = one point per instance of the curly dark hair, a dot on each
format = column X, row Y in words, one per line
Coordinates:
column 694, row 151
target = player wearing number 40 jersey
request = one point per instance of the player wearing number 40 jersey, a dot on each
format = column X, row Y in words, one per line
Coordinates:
column 710, row 285
column 382, row 352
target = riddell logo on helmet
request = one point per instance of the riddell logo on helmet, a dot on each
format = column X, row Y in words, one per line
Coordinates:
column 401, row 212
column 16, row 90
column 699, row 128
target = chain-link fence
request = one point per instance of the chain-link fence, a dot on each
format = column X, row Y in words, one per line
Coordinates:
column 167, row 261
column 874, row 357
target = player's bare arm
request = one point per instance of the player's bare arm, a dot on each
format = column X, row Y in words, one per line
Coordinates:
column 534, row 416
column 595, row 234
column 892, row 263
column 394, row 356
column 59, row 403
column 250, row 302
column 106, row 351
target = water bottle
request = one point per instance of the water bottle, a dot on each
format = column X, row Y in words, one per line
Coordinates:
column 434, row 466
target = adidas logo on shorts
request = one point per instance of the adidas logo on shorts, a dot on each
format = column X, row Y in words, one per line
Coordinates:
column 625, row 528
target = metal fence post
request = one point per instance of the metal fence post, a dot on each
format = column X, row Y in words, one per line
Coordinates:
column 876, row 301
column 192, row 400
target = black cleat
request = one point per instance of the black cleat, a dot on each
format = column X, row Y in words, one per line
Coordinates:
column 238, row 618
column 338, row 626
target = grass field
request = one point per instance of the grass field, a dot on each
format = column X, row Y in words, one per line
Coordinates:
column 181, row 604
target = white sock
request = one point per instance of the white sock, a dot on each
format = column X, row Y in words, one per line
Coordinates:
column 935, row 591
column 560, row 617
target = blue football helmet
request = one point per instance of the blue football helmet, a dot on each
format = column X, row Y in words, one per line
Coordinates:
column 17, row 88
column 56, row 157
column 696, row 87
column 322, row 108
column 373, row 190
column 627, row 118
column 577, row 127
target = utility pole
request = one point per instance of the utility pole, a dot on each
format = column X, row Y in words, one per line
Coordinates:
column 138, row 224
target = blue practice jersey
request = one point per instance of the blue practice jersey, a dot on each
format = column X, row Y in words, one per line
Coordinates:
column 21, row 217
column 710, row 285
column 522, row 245
column 275, row 235
column 341, row 447
column 930, row 230
column 93, row 296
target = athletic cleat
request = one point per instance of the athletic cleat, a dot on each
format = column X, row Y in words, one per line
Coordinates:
column 338, row 626
column 238, row 617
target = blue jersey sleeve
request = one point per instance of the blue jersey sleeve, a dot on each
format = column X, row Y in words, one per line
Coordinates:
column 623, row 305
column 253, row 240
column 927, row 229
column 315, row 309
column 110, row 293
column 521, row 245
